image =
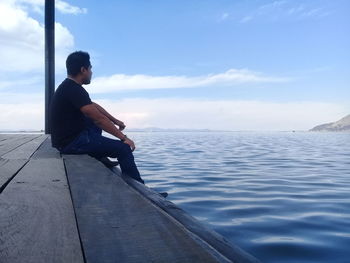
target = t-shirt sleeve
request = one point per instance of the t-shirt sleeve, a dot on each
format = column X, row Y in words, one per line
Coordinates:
column 79, row 97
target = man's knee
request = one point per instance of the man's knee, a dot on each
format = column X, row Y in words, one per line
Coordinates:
column 125, row 149
column 120, row 150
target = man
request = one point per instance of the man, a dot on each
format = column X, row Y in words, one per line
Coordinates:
column 77, row 122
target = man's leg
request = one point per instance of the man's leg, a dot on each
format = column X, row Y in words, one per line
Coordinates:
column 98, row 146
column 91, row 127
column 101, row 146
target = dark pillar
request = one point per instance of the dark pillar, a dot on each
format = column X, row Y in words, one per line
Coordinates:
column 49, row 58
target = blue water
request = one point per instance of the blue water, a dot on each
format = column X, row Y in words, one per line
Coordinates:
column 283, row 197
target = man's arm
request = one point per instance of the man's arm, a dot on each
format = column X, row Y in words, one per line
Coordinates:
column 110, row 117
column 92, row 112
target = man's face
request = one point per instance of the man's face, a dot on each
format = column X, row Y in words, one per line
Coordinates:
column 87, row 73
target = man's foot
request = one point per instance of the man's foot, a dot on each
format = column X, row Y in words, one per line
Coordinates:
column 108, row 162
column 164, row 194
column 139, row 180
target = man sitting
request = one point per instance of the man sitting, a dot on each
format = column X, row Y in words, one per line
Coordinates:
column 77, row 122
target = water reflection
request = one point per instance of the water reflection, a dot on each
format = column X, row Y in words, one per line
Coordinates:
column 283, row 197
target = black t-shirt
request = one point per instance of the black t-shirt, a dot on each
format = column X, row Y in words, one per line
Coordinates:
column 67, row 121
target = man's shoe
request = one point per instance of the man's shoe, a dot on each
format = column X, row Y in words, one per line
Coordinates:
column 164, row 194
column 108, row 163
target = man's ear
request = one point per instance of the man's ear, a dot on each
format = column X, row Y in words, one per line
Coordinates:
column 82, row 69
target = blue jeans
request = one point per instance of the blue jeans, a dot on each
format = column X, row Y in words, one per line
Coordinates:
column 90, row 141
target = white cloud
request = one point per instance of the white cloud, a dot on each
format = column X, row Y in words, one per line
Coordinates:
column 296, row 10
column 224, row 16
column 316, row 12
column 21, row 98
column 63, row 38
column 22, row 41
column 23, row 111
column 23, row 82
column 61, row 6
column 274, row 4
column 66, row 8
column 28, row 116
column 119, row 82
column 223, row 114
column 278, row 10
column 269, row 9
column 22, row 62
column 246, row 19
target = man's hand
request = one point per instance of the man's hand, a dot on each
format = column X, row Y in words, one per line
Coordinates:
column 130, row 143
column 120, row 124
column 91, row 111
column 110, row 117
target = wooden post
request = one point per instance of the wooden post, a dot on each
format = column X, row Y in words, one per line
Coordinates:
column 49, row 59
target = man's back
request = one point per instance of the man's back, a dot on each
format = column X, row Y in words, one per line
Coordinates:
column 67, row 121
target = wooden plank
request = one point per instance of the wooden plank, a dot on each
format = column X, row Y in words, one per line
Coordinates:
column 8, row 168
column 117, row 224
column 46, row 151
column 25, row 150
column 213, row 238
column 7, row 139
column 4, row 137
column 15, row 141
column 37, row 223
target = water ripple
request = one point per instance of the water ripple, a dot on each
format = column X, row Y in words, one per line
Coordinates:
column 283, row 197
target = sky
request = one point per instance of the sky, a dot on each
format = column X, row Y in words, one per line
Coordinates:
column 189, row 64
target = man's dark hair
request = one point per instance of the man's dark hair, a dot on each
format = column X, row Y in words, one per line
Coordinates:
column 75, row 61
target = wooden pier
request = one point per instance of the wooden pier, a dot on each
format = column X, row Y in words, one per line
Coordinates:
column 73, row 209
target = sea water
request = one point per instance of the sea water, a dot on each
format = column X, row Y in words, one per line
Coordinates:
column 281, row 196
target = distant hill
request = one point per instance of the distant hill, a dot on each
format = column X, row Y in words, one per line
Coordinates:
column 341, row 125
column 155, row 129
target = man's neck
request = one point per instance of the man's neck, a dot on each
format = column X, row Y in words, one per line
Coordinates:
column 77, row 80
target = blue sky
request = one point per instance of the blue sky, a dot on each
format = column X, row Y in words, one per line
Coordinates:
column 236, row 65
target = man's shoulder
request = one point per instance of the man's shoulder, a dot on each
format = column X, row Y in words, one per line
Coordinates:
column 70, row 87
column 68, row 83
column 65, row 85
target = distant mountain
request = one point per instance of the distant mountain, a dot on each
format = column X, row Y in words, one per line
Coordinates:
column 156, row 129
column 341, row 125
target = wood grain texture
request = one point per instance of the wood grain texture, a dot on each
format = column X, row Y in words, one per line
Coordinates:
column 46, row 151
column 8, row 168
column 9, row 142
column 37, row 222
column 25, row 150
column 5, row 136
column 117, row 224
column 214, row 239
